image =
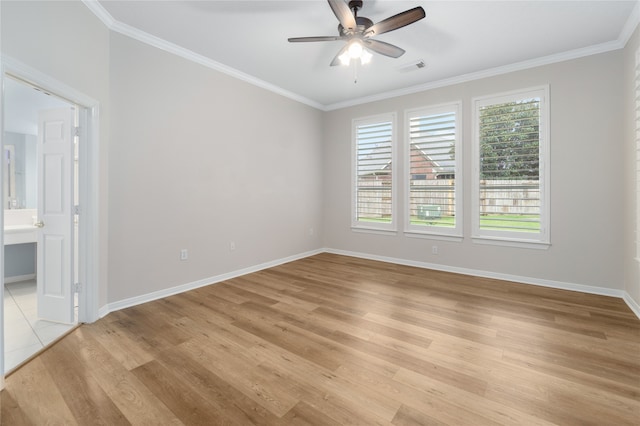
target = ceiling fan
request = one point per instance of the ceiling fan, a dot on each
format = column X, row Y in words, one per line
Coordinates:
column 359, row 31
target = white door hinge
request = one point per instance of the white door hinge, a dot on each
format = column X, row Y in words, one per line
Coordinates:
column 76, row 131
column 77, row 288
column 76, row 209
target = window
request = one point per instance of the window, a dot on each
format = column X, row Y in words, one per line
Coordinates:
column 433, row 200
column 510, row 167
column 374, row 194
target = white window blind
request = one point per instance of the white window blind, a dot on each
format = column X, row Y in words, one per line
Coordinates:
column 433, row 205
column 510, row 182
column 374, row 159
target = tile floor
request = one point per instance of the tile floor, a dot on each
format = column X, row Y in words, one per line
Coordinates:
column 24, row 333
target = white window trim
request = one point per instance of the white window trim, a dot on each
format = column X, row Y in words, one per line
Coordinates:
column 425, row 231
column 374, row 227
column 507, row 238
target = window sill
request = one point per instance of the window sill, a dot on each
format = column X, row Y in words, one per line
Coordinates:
column 512, row 242
column 378, row 231
column 433, row 236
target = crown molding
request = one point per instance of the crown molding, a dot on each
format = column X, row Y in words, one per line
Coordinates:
column 149, row 39
column 491, row 72
column 100, row 12
column 630, row 26
column 625, row 34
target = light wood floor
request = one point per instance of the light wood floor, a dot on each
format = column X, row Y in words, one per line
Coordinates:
column 337, row 340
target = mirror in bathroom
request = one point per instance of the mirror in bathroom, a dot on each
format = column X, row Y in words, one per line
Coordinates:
column 20, row 183
column 9, row 179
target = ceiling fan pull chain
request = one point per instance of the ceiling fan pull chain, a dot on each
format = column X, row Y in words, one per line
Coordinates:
column 355, row 72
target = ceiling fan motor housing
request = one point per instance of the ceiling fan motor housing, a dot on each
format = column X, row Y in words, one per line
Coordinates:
column 362, row 23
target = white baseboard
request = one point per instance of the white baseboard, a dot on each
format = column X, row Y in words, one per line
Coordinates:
column 144, row 298
column 18, row 278
column 633, row 305
column 103, row 311
column 602, row 291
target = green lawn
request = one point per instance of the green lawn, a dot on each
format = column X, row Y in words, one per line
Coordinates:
column 445, row 221
column 523, row 223
column 375, row 219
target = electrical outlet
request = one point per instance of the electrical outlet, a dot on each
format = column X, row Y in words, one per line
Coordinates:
column 434, row 249
column 232, row 245
column 184, row 254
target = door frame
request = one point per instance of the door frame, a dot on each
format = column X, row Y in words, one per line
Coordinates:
column 88, row 186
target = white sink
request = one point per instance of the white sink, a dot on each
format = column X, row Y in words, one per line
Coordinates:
column 18, row 226
column 20, row 234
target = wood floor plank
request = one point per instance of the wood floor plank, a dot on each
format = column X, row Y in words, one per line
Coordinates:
column 125, row 349
column 317, row 349
column 316, row 385
column 231, row 403
column 407, row 416
column 132, row 398
column 11, row 413
column 439, row 409
column 177, row 394
column 454, row 405
column 547, row 368
column 583, row 360
column 332, row 339
column 303, row 414
column 35, row 392
column 88, row 401
column 400, row 332
column 228, row 363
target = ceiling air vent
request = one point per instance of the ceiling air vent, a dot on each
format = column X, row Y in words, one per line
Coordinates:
column 413, row 66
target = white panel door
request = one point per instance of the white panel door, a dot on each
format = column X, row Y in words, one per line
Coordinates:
column 55, row 215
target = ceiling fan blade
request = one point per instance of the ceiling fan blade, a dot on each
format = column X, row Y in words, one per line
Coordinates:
column 383, row 48
column 396, row 21
column 318, row 38
column 336, row 59
column 343, row 13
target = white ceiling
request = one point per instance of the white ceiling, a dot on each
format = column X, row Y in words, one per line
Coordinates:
column 457, row 40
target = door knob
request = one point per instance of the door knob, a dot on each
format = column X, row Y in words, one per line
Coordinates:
column 39, row 224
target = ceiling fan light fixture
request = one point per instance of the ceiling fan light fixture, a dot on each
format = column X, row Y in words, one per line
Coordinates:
column 355, row 51
column 345, row 59
column 365, row 57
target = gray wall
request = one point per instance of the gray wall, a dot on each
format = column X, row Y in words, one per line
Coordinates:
column 586, row 195
column 198, row 159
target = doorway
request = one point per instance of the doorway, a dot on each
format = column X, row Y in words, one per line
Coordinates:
column 89, row 170
column 37, row 236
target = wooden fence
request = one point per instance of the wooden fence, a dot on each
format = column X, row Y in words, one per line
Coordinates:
column 517, row 197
